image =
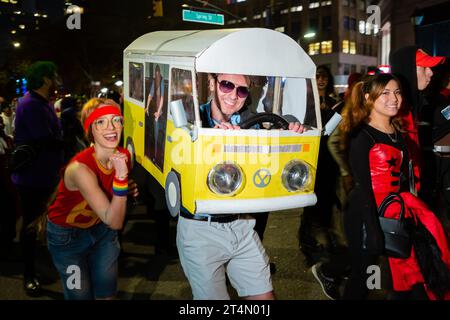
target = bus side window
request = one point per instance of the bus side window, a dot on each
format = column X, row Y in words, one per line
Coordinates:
column 182, row 89
column 136, row 81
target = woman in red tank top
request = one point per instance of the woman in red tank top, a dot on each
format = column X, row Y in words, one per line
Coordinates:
column 90, row 207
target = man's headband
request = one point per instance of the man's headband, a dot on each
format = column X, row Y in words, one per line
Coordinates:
column 99, row 112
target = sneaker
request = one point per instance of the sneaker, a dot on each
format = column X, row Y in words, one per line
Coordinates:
column 32, row 287
column 329, row 285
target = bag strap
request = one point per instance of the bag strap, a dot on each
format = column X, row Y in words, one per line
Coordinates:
column 391, row 198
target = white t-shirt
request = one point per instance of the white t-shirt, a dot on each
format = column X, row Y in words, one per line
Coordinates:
column 3, row 146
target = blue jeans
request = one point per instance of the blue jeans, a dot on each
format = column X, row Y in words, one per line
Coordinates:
column 86, row 259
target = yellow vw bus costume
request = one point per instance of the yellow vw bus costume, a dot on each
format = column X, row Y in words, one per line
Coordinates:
column 216, row 171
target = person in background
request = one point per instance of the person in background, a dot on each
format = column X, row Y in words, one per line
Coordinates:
column 8, row 195
column 318, row 218
column 37, row 125
column 72, row 130
column 412, row 66
column 335, row 146
column 154, row 111
column 439, row 96
column 8, row 116
column 90, row 206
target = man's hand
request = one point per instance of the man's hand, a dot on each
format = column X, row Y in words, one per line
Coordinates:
column 296, row 127
column 226, row 126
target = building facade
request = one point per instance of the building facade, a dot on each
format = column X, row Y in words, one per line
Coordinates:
column 338, row 33
column 401, row 21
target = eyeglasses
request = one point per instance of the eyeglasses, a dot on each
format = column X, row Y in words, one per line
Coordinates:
column 102, row 123
column 227, row 86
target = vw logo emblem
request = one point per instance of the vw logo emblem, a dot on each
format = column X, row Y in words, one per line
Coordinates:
column 262, row 178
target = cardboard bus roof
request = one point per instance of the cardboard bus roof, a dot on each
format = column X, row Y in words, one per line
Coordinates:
column 251, row 51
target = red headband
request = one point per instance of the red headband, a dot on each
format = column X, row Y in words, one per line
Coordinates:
column 99, row 112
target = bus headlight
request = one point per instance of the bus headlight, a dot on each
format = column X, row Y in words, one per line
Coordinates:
column 296, row 175
column 225, row 178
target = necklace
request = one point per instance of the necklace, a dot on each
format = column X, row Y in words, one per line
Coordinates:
column 393, row 139
column 392, row 136
column 104, row 164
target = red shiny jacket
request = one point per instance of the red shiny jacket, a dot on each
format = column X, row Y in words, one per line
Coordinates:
column 385, row 167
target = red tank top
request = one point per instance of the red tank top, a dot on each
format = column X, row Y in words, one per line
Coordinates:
column 70, row 209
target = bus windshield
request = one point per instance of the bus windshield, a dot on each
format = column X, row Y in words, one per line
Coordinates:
column 291, row 98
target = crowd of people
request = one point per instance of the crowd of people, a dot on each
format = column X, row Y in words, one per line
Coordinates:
column 72, row 168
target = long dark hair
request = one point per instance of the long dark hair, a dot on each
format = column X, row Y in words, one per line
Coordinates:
column 329, row 90
column 357, row 109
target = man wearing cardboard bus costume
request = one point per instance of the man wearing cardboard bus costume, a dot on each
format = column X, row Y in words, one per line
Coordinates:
column 211, row 245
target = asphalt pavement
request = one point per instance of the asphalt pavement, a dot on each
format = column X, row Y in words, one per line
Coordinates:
column 146, row 275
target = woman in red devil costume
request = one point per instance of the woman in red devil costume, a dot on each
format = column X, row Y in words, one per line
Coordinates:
column 379, row 162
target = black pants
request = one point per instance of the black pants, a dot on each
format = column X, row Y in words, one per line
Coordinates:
column 356, row 286
column 260, row 223
column 9, row 213
column 34, row 203
column 359, row 259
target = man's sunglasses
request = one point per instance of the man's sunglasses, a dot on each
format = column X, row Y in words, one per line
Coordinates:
column 227, row 86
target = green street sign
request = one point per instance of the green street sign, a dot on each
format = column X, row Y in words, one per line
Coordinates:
column 203, row 17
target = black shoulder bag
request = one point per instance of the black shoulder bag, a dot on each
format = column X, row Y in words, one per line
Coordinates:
column 397, row 232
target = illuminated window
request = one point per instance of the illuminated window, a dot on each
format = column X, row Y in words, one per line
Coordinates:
column 345, row 46
column 325, row 3
column 292, row 9
column 326, row 47
column 362, row 26
column 314, row 4
column 314, row 48
column 74, row 9
column 352, row 47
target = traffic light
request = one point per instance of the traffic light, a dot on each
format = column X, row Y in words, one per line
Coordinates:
column 157, row 8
